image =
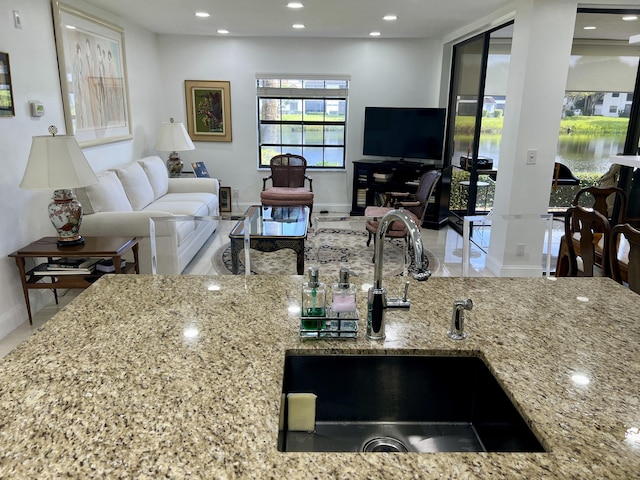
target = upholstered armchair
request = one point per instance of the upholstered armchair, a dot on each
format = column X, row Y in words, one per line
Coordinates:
column 414, row 205
column 288, row 175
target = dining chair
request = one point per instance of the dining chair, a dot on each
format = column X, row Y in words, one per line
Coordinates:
column 624, row 255
column 603, row 200
column 415, row 205
column 589, row 233
column 288, row 176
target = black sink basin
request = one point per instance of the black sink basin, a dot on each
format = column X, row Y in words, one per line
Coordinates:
column 403, row 403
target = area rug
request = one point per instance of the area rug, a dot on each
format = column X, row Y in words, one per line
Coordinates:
column 329, row 249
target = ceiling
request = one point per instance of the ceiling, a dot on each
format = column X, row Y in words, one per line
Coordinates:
column 336, row 18
column 322, row 18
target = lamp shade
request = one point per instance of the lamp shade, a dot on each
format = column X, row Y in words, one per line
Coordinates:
column 55, row 162
column 173, row 138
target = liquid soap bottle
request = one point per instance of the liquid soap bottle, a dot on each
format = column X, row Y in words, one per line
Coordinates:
column 343, row 294
column 314, row 298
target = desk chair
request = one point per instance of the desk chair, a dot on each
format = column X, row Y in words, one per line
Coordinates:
column 587, row 234
column 415, row 206
column 625, row 267
column 288, row 175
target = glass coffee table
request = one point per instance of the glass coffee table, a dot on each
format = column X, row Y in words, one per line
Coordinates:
column 268, row 228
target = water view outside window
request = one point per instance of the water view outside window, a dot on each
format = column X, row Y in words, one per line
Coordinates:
column 593, row 128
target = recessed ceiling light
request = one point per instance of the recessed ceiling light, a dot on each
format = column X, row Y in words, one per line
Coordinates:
column 297, row 25
column 630, row 18
column 375, row 34
column 202, row 14
column 222, row 31
column 390, row 17
column 70, row 27
column 294, row 5
column 590, row 27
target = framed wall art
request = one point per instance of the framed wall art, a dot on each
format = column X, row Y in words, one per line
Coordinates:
column 6, row 92
column 93, row 76
column 225, row 199
column 208, row 110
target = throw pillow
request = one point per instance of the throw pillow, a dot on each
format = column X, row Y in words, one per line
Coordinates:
column 105, row 196
column 157, row 174
column 136, row 185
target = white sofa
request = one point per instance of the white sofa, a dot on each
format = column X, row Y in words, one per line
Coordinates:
column 125, row 198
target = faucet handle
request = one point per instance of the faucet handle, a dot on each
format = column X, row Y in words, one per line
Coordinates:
column 403, row 302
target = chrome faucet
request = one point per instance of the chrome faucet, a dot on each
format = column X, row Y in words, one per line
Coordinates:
column 378, row 302
column 456, row 331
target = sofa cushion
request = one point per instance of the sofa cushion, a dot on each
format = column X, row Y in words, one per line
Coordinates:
column 157, row 174
column 107, row 195
column 178, row 207
column 136, row 185
column 209, row 199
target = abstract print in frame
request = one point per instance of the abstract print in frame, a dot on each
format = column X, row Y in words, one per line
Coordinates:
column 208, row 110
column 93, row 77
column 6, row 92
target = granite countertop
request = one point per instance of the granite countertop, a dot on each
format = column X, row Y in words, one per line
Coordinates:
column 180, row 376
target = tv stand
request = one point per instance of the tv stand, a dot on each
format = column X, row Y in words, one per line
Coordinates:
column 373, row 178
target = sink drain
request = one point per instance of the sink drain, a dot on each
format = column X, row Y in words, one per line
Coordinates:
column 384, row 444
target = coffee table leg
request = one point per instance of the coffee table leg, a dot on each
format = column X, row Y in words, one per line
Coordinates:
column 300, row 257
column 236, row 246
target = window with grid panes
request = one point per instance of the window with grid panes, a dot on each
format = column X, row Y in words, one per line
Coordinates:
column 303, row 115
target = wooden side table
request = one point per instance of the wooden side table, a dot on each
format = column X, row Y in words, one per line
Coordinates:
column 94, row 247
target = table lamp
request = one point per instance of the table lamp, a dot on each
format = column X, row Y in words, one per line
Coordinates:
column 173, row 138
column 56, row 161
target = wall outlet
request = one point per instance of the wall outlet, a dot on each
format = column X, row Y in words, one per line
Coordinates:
column 520, row 250
column 235, row 193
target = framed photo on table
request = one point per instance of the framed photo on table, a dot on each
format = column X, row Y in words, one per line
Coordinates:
column 225, row 199
column 6, row 92
column 93, row 76
column 208, row 110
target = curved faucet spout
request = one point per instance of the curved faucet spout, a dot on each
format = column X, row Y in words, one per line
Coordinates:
column 416, row 241
column 377, row 301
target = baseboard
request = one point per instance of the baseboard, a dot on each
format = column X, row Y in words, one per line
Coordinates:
column 500, row 270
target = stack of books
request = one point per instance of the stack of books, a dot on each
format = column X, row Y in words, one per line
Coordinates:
column 107, row 265
column 67, row 266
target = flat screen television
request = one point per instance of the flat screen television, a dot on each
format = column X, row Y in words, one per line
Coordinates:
column 404, row 132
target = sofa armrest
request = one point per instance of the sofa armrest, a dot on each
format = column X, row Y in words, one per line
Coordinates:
column 124, row 224
column 188, row 185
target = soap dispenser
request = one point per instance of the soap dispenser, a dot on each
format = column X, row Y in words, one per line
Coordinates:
column 314, row 297
column 343, row 293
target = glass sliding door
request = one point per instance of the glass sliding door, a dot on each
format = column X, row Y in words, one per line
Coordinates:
column 475, row 121
column 601, row 96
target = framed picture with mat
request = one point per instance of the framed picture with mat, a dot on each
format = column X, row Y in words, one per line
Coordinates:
column 225, row 199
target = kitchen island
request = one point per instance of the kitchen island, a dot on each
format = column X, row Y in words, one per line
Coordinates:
column 181, row 376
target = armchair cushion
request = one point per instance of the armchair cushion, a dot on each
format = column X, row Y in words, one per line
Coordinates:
column 293, row 196
column 379, row 212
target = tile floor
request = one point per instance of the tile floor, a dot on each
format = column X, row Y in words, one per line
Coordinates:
column 446, row 244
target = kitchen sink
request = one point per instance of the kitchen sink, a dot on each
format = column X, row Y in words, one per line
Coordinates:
column 402, row 403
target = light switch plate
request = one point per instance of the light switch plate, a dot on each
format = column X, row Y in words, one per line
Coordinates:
column 532, row 156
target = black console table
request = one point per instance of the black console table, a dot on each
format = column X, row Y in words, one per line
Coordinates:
column 372, row 179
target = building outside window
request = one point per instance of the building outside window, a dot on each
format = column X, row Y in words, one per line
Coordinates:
column 303, row 115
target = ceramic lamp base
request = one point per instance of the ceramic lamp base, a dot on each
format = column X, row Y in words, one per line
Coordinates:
column 174, row 165
column 65, row 213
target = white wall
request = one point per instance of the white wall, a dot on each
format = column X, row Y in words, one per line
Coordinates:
column 383, row 72
column 34, row 74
